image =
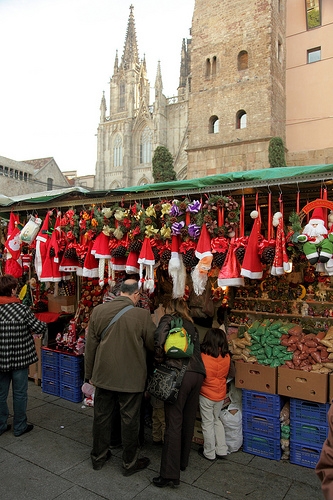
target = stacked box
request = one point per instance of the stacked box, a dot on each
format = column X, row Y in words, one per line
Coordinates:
column 261, row 424
column 308, row 431
column 71, row 377
column 50, row 372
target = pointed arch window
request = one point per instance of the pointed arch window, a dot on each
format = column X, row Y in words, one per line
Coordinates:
column 242, row 60
column 118, row 151
column 214, row 66
column 122, row 95
column 146, row 140
column 241, row 119
column 208, row 68
column 213, row 127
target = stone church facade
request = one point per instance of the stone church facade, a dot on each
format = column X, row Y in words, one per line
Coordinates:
column 236, row 91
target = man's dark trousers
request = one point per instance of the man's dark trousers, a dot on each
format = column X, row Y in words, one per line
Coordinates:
column 105, row 404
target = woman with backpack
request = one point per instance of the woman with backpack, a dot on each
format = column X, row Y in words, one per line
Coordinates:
column 179, row 416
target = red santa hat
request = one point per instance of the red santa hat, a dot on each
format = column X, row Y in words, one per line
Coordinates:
column 176, row 269
column 90, row 265
column 50, row 270
column 147, row 260
column 13, row 263
column 100, row 247
column 132, row 265
column 252, row 266
column 42, row 241
column 280, row 264
column 229, row 274
column 317, row 216
column 204, row 245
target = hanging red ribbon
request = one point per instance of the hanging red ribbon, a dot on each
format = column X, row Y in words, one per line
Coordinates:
column 269, row 227
column 297, row 201
column 187, row 218
column 324, row 196
column 220, row 216
column 242, row 218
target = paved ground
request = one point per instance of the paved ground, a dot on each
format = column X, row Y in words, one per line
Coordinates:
column 52, row 462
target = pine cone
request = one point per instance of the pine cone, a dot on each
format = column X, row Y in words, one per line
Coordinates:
column 135, row 246
column 267, row 256
column 240, row 252
column 119, row 251
column 156, row 254
column 166, row 256
column 70, row 253
column 219, row 258
column 189, row 259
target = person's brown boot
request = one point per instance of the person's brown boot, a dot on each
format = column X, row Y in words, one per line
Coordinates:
column 140, row 464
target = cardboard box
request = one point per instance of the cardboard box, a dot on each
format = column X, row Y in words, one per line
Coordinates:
column 62, row 304
column 254, row 377
column 303, row 385
column 35, row 370
column 330, row 387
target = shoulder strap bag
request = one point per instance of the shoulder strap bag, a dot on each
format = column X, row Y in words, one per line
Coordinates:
column 115, row 318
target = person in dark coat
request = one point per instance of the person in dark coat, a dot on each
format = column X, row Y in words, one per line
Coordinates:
column 17, row 352
column 180, row 416
column 116, row 365
column 324, row 467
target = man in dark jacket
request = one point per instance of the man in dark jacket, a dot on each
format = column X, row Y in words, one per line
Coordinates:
column 115, row 363
column 17, row 352
column 324, row 467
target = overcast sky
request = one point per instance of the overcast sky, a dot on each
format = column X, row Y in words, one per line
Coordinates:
column 57, row 57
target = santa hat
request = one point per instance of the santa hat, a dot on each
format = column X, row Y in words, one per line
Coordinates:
column 13, row 263
column 42, row 241
column 252, row 266
column 229, row 274
column 176, row 269
column 204, row 245
column 50, row 270
column 147, row 260
column 280, row 264
column 90, row 265
column 100, row 247
column 317, row 216
column 132, row 266
column 118, row 263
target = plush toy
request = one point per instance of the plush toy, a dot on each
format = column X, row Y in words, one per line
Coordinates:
column 318, row 243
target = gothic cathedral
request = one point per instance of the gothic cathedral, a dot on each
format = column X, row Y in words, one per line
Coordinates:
column 230, row 102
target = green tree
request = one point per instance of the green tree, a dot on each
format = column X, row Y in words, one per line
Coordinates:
column 276, row 155
column 163, row 170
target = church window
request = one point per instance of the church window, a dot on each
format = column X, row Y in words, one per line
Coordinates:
column 241, row 119
column 11, row 173
column 213, row 125
column 207, row 67
column 313, row 13
column 118, row 152
column 25, row 177
column 1, row 170
column 16, row 174
column 214, row 66
column 146, row 146
column 6, row 171
column 21, row 175
column 243, row 60
column 143, row 182
column 49, row 184
column 122, row 95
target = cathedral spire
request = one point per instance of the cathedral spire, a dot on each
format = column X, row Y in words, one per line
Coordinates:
column 158, row 80
column 115, row 69
column 130, row 55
